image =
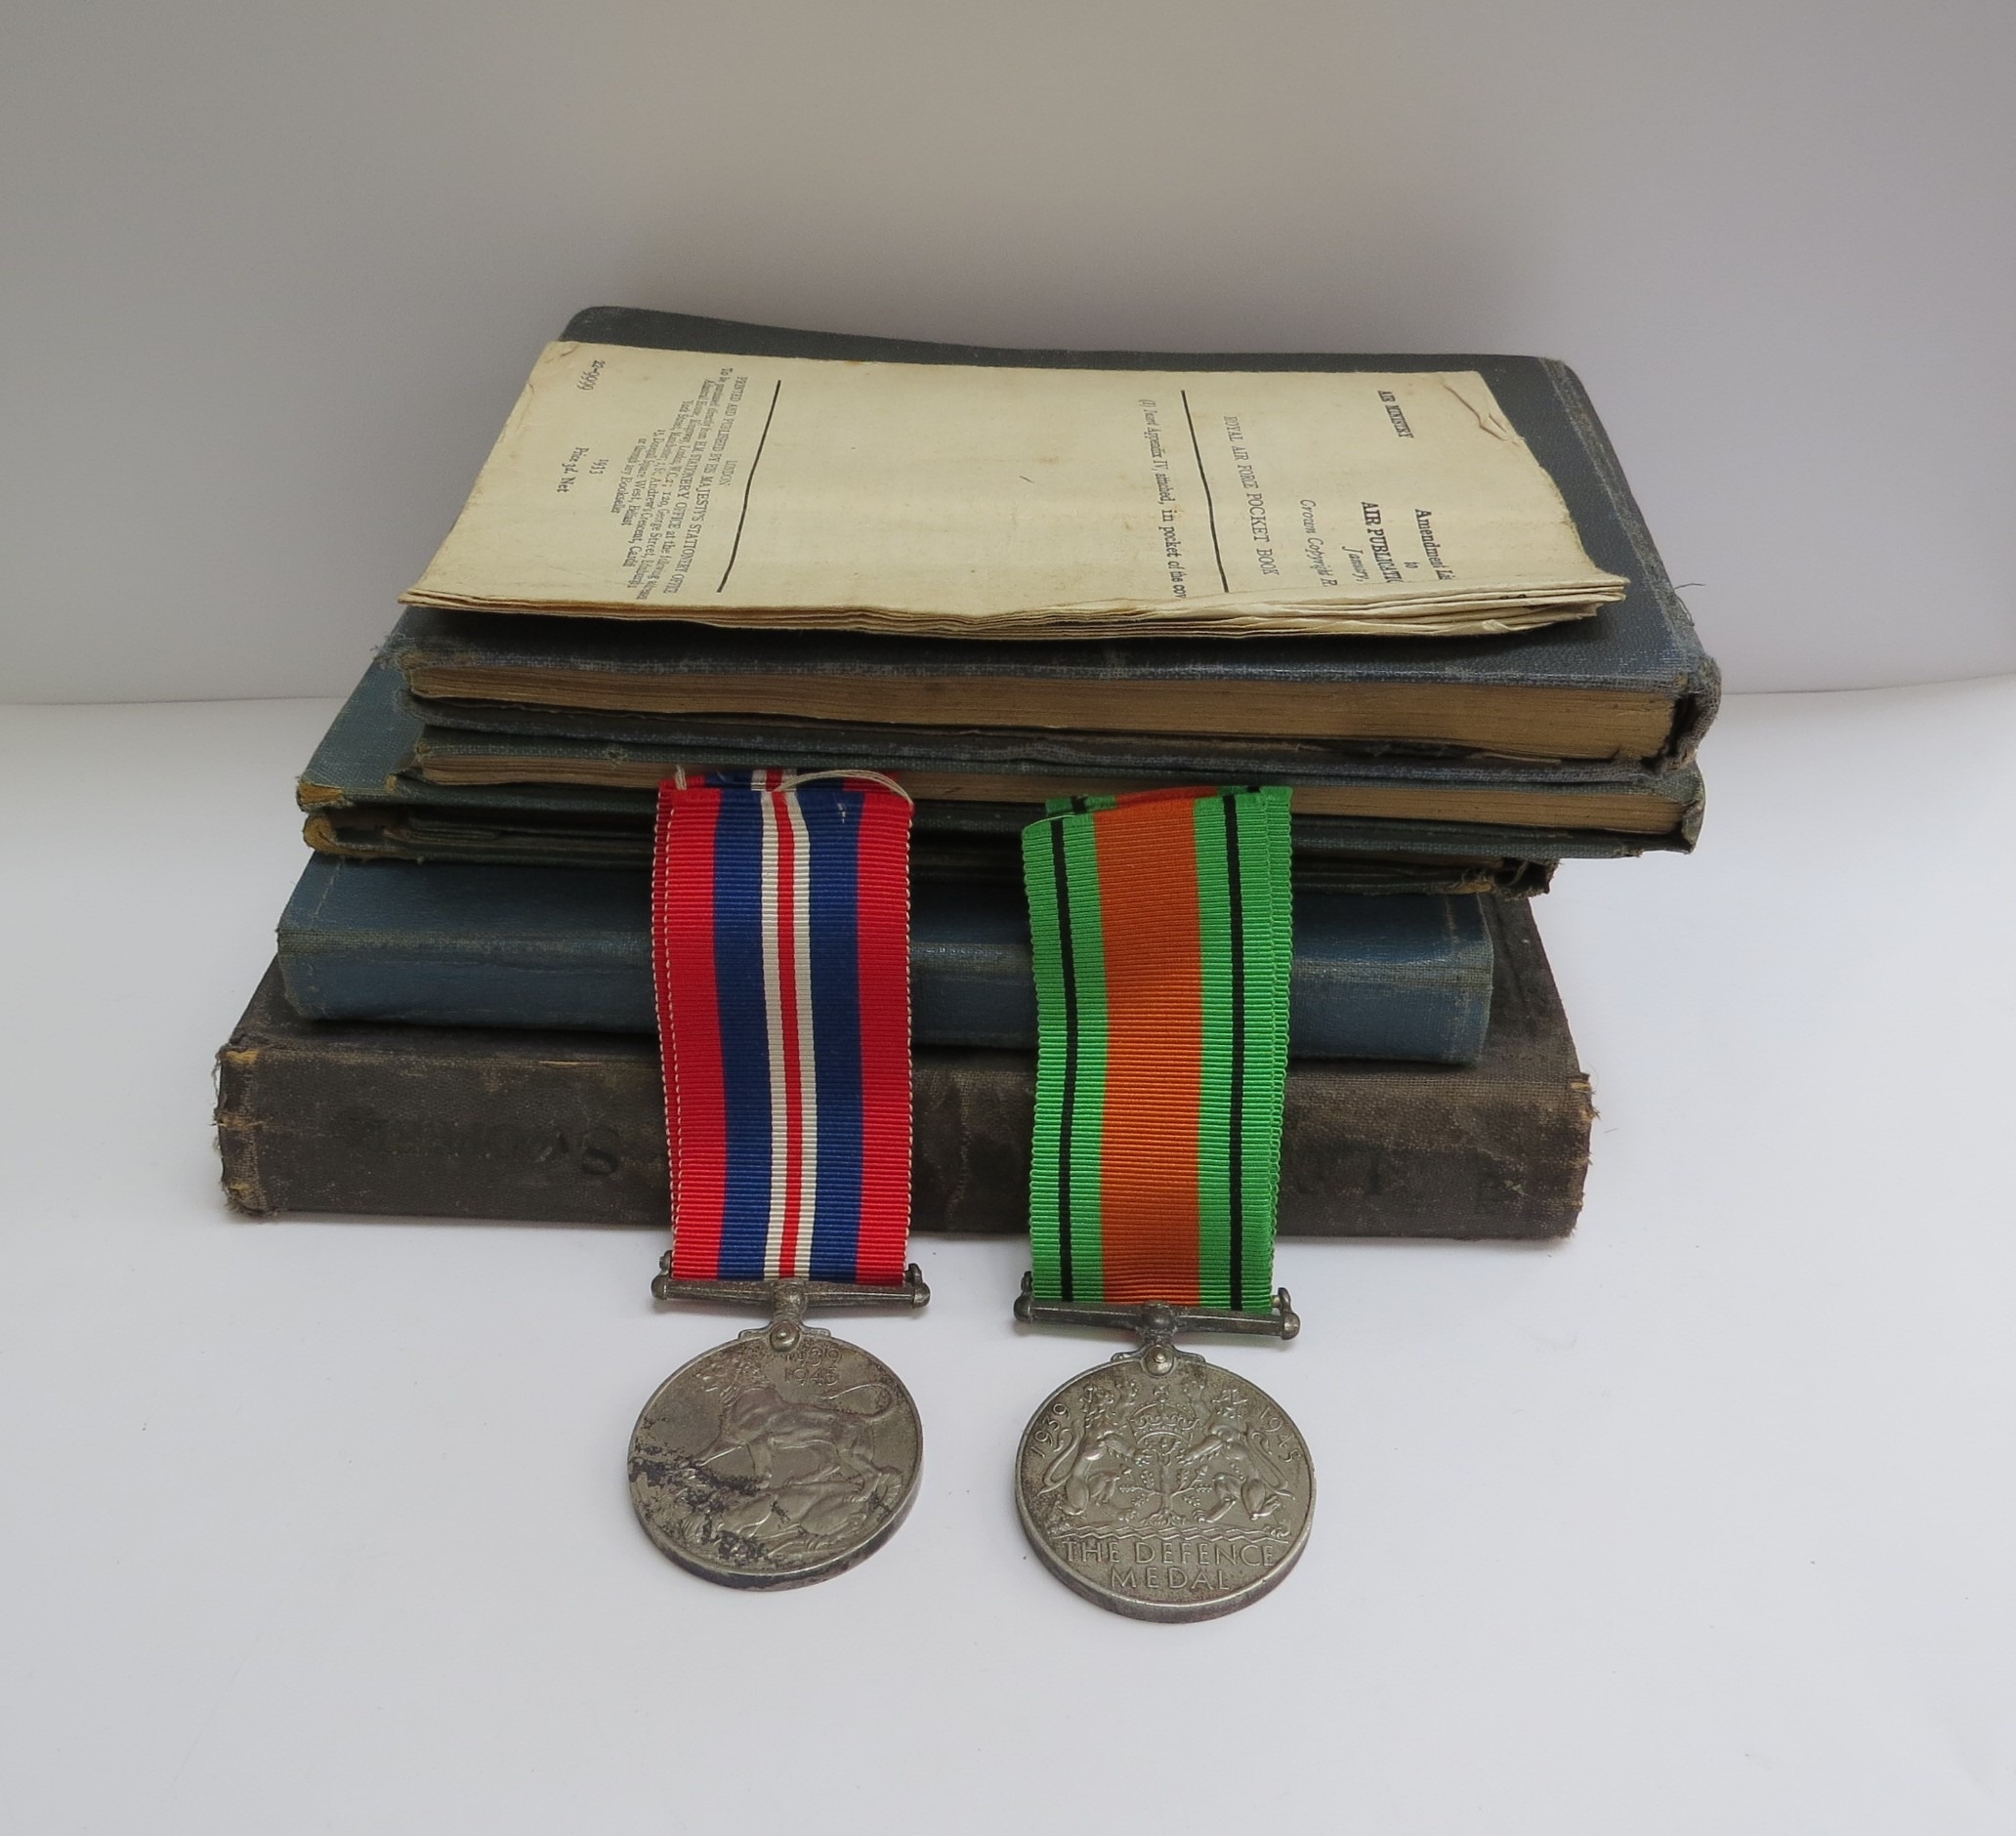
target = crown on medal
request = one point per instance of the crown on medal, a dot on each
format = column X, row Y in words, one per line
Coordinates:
column 1162, row 1419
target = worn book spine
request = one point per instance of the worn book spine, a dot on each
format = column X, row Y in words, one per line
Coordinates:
column 570, row 1127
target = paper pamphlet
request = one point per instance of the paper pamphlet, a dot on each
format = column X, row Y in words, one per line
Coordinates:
column 954, row 500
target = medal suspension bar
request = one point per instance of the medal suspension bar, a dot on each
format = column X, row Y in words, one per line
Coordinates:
column 787, row 1301
column 1158, row 1321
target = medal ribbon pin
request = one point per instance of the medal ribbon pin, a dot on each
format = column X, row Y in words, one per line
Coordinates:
column 1159, row 1485
column 780, row 948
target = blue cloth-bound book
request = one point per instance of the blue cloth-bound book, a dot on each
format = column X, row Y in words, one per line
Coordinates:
column 364, row 800
column 1407, row 977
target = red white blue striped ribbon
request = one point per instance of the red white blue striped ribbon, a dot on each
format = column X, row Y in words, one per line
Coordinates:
column 781, row 944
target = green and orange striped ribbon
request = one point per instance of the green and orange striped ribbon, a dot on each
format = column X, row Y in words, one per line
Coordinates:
column 1161, row 930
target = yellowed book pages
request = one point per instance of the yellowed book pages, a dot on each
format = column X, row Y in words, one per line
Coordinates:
column 961, row 501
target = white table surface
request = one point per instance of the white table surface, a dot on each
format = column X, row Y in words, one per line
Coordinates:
column 1699, row 1521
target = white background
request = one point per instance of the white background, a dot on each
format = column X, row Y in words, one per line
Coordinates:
column 273, row 273
column 1699, row 1521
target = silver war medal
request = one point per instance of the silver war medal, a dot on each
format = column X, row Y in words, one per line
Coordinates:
column 1158, row 1485
column 784, row 1456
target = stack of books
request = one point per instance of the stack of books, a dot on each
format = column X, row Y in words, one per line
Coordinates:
column 1413, row 588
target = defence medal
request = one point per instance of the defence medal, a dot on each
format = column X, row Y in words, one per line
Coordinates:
column 780, row 946
column 1159, row 1485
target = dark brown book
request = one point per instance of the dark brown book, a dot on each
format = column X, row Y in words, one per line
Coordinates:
column 570, row 1128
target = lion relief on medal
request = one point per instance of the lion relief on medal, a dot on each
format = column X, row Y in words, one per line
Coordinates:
column 1192, row 1486
column 769, row 1467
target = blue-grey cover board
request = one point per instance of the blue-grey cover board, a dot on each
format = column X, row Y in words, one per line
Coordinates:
column 1406, row 976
